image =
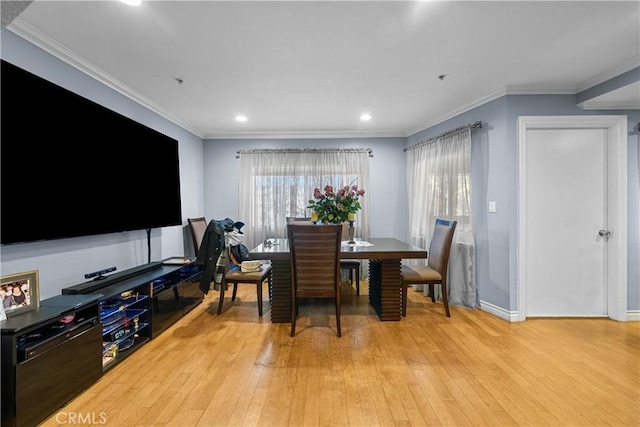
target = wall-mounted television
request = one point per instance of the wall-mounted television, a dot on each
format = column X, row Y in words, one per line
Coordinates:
column 71, row 167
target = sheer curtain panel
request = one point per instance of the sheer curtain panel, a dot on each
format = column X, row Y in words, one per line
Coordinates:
column 439, row 186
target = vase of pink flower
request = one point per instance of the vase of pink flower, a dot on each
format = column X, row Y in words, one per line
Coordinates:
column 335, row 206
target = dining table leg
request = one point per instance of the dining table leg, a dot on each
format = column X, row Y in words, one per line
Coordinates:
column 385, row 288
column 280, row 291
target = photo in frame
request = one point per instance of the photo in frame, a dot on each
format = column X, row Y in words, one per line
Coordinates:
column 19, row 292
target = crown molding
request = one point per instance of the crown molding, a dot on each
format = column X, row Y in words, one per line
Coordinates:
column 470, row 106
column 306, row 135
column 612, row 72
column 508, row 90
column 588, row 105
column 33, row 36
column 540, row 90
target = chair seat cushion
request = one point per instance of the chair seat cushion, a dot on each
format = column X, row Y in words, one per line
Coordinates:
column 237, row 275
column 350, row 263
column 419, row 274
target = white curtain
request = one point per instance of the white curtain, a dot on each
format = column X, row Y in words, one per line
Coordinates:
column 439, row 186
column 275, row 184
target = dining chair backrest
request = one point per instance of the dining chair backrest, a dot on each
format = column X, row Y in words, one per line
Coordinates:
column 198, row 227
column 315, row 264
column 350, row 265
column 291, row 219
column 440, row 245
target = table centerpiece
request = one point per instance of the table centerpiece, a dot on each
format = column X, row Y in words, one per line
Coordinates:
column 336, row 207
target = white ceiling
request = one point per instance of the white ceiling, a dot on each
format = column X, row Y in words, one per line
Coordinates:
column 304, row 68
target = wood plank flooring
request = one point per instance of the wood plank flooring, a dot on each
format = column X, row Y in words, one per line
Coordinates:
column 472, row 369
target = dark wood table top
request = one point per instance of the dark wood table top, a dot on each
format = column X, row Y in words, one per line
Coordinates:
column 383, row 248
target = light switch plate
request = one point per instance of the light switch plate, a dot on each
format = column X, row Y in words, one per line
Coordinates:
column 492, row 205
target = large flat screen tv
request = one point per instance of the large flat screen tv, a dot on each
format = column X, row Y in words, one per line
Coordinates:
column 71, row 167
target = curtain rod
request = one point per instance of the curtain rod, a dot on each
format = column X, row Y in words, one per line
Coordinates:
column 475, row 125
column 304, row 150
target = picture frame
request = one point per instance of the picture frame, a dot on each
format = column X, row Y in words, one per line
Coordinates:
column 26, row 299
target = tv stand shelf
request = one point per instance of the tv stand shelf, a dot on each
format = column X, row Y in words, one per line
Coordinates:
column 139, row 303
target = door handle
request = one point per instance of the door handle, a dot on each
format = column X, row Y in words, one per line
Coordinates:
column 604, row 233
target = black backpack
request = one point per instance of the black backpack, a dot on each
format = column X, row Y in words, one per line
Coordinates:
column 238, row 254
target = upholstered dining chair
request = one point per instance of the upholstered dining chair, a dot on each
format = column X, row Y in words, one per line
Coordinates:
column 198, row 226
column 315, row 265
column 291, row 219
column 351, row 265
column 435, row 272
column 236, row 277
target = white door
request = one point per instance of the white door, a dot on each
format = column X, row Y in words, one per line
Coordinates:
column 565, row 199
column 572, row 184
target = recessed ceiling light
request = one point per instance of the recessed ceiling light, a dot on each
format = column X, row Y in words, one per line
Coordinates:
column 132, row 2
column 365, row 117
column 241, row 118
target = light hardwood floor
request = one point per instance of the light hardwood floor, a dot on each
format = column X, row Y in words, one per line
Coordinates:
column 472, row 369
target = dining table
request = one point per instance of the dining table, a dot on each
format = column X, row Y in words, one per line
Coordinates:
column 385, row 255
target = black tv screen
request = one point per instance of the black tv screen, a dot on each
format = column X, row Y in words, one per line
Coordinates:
column 71, row 167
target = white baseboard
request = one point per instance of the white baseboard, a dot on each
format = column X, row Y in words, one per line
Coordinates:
column 512, row 316
column 509, row 316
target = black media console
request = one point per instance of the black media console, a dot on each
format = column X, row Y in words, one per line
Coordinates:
column 49, row 356
column 138, row 304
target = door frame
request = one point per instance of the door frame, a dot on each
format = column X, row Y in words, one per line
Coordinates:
column 616, row 256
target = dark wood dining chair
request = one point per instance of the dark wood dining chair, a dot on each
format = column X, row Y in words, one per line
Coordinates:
column 198, row 226
column 350, row 265
column 435, row 272
column 315, row 265
column 236, row 277
column 291, row 219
